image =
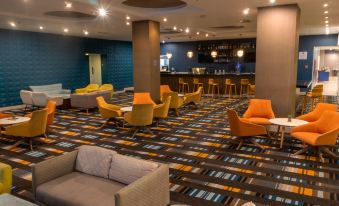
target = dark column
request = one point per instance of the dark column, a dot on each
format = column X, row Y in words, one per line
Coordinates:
column 146, row 57
column 277, row 48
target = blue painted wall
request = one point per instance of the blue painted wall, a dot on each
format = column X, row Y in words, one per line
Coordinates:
column 306, row 43
column 28, row 58
column 182, row 63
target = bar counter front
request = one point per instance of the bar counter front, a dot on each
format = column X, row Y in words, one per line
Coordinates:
column 172, row 79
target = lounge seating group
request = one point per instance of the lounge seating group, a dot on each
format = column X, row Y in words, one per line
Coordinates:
column 95, row 87
column 97, row 176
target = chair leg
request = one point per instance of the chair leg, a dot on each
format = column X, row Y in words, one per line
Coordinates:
column 149, row 130
column 176, row 112
column 16, row 144
column 104, row 124
column 329, row 152
column 320, row 155
column 240, row 144
column 303, row 150
column 135, row 132
column 257, row 144
column 30, row 144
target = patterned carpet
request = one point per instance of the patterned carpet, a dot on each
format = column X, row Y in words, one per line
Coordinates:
column 205, row 169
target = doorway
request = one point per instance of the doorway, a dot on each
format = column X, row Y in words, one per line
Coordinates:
column 95, row 68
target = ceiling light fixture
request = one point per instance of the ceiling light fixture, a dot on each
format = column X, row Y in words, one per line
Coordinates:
column 41, row 27
column 206, row 35
column 240, row 53
column 325, row 5
column 326, row 22
column 175, row 28
column 165, row 19
column 68, row 5
column 127, row 23
column 86, row 32
column 198, row 33
column 12, row 24
column 326, row 25
column 169, row 55
column 272, row 1
column 102, row 12
column 190, row 54
column 65, row 30
column 326, row 17
column 128, row 18
column 163, row 41
column 327, row 30
column 214, row 54
column 325, row 12
column 246, row 11
column 187, row 30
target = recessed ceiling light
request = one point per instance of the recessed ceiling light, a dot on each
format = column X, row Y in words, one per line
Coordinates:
column 128, row 18
column 163, row 41
column 12, row 24
column 102, row 12
column 325, row 5
column 175, row 28
column 41, row 27
column 325, row 12
column 326, row 22
column 326, row 17
column 198, row 33
column 187, row 30
column 246, row 11
column 327, row 30
column 272, row 1
column 164, row 19
column 127, row 23
column 86, row 32
column 206, row 35
column 65, row 30
column 68, row 5
column 180, row 30
column 326, row 25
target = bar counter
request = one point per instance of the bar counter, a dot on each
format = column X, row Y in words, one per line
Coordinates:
column 172, row 79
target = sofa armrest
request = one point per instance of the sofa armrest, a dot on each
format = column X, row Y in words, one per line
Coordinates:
column 65, row 91
column 150, row 190
column 51, row 169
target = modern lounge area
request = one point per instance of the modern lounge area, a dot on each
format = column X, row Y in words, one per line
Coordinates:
column 169, row 103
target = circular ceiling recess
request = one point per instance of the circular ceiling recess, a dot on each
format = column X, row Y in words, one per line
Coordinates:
column 70, row 14
column 155, row 4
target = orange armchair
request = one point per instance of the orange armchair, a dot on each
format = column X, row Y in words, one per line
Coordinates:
column 320, row 134
column 164, row 89
column 259, row 112
column 318, row 111
column 244, row 130
column 2, row 115
column 143, row 98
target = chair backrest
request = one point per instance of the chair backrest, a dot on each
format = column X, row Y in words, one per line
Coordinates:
column 175, row 99
column 228, row 81
column 261, row 108
column 196, row 81
column 210, row 81
column 165, row 89
column 108, row 87
column 142, row 114
column 38, row 122
column 26, row 97
column 39, row 99
column 318, row 111
column 92, row 86
column 143, row 98
column 51, row 107
column 244, row 81
column 233, row 120
column 328, row 121
column 165, row 107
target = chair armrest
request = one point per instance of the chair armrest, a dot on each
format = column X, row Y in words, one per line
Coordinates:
column 249, row 129
column 81, row 91
column 5, row 178
column 65, row 91
column 150, row 190
column 51, row 169
column 329, row 138
column 310, row 127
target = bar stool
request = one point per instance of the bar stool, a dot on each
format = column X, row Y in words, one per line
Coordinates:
column 315, row 96
column 251, row 90
column 230, row 86
column 183, row 85
column 244, row 84
column 212, row 86
column 197, row 84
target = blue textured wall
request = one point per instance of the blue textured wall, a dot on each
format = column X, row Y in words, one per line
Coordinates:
column 182, row 63
column 306, row 43
column 28, row 58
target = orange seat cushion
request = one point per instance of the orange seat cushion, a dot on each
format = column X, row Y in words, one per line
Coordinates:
column 307, row 137
column 257, row 120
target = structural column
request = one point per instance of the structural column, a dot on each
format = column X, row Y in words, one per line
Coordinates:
column 277, row 56
column 146, row 57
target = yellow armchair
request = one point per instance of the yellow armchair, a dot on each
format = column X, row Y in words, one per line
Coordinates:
column 193, row 98
column 107, row 87
column 108, row 111
column 160, row 111
column 140, row 117
column 176, row 101
column 5, row 178
column 87, row 89
column 34, row 128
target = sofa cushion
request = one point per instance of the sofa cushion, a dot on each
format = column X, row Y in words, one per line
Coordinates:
column 126, row 169
column 94, row 160
column 76, row 189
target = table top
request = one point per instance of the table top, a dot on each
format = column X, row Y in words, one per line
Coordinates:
column 181, row 95
column 7, row 199
column 284, row 122
column 15, row 120
column 126, row 109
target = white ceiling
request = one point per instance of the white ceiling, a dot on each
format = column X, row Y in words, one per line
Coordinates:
column 198, row 15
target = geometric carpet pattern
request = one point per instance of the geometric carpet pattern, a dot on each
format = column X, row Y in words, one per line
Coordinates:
column 205, row 168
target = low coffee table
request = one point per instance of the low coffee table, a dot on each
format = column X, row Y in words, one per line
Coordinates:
column 7, row 199
column 13, row 120
column 283, row 123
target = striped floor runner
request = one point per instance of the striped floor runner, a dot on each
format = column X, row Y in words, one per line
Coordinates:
column 205, row 169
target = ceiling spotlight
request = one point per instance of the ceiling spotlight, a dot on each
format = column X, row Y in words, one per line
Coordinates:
column 164, row 19
column 128, row 18
column 327, row 30
column 163, row 41
column 272, row 1
column 187, row 30
column 189, row 54
column 327, row 25
column 65, row 30
column 175, row 28
column 12, row 24
column 326, row 22
column 127, row 23
column 326, row 17
column 214, row 54
column 325, row 12
column 68, row 5
column 102, row 12
column 180, row 30
column 198, row 33
column 41, row 27
column 325, row 5
column 206, row 35
column 246, row 11
column 86, row 32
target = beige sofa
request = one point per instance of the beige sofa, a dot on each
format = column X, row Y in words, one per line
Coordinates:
column 100, row 177
column 88, row 100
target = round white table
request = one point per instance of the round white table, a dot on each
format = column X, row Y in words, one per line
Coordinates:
column 126, row 109
column 283, row 123
column 13, row 120
column 181, row 95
